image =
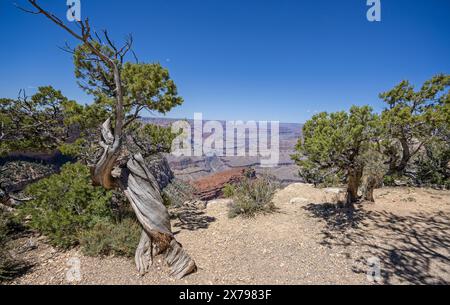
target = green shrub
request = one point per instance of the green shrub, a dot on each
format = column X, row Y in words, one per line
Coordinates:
column 177, row 192
column 447, row 184
column 229, row 190
column 432, row 165
column 253, row 196
column 166, row 200
column 69, row 211
column 65, row 205
column 389, row 181
column 311, row 173
column 107, row 238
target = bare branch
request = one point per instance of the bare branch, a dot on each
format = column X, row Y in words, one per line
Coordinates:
column 68, row 49
column 98, row 37
column 111, row 44
column 135, row 116
column 52, row 17
column 135, row 56
column 127, row 46
column 26, row 10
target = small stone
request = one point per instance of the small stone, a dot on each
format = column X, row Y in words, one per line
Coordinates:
column 333, row 190
column 299, row 200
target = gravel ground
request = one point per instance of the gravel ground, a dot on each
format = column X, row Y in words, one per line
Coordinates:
column 309, row 240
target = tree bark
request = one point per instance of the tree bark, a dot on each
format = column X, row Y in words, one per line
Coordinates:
column 370, row 187
column 102, row 174
column 142, row 190
column 143, row 193
column 406, row 156
column 396, row 167
column 354, row 181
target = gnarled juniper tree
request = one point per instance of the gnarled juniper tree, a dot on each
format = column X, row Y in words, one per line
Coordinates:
column 334, row 143
column 122, row 90
column 414, row 119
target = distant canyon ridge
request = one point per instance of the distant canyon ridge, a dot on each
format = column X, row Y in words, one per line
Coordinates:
column 194, row 168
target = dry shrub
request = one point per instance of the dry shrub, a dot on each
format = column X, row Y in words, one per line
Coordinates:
column 253, row 196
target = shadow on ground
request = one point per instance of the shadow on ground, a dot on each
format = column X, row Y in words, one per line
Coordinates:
column 192, row 219
column 412, row 249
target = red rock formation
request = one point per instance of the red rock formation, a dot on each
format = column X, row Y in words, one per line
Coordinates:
column 211, row 187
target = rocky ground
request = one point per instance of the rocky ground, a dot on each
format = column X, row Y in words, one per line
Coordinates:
column 309, row 240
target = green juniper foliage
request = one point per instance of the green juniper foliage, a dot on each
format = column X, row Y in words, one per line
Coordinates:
column 411, row 137
column 152, row 139
column 35, row 123
column 433, row 165
column 65, row 205
column 69, row 211
column 108, row 238
column 333, row 145
column 145, row 85
column 414, row 120
column 45, row 122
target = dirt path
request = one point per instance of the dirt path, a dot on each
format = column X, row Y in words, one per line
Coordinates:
column 308, row 241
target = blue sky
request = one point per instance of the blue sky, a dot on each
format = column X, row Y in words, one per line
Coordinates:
column 244, row 59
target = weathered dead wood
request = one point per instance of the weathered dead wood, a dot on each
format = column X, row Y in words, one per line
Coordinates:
column 142, row 190
column 102, row 174
column 369, row 188
column 144, row 254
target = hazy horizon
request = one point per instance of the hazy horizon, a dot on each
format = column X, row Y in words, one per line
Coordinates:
column 244, row 60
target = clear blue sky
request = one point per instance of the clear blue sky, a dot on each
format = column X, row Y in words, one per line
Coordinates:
column 245, row 59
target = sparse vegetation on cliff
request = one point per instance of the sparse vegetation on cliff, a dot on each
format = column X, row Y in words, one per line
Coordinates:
column 252, row 196
column 411, row 137
column 66, row 204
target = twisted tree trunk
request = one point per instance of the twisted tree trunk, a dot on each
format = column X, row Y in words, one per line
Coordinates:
column 406, row 156
column 397, row 167
column 371, row 184
column 354, row 181
column 142, row 191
